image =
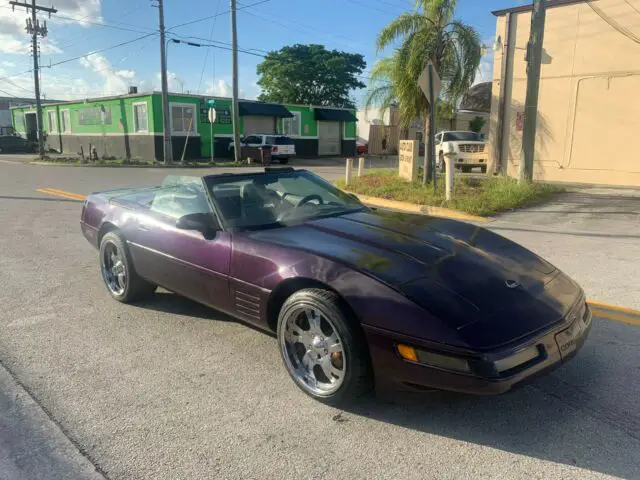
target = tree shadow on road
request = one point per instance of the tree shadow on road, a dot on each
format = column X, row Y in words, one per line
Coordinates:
column 41, row 199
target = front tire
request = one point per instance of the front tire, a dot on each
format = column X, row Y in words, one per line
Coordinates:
column 323, row 347
column 118, row 274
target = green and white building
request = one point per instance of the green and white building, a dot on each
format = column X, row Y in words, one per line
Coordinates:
column 131, row 126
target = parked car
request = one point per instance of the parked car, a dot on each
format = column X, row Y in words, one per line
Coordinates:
column 355, row 296
column 470, row 147
column 362, row 148
column 282, row 147
column 15, row 144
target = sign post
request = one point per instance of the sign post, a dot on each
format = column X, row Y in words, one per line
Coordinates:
column 212, row 119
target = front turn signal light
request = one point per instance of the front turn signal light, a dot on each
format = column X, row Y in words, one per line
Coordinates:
column 407, row 352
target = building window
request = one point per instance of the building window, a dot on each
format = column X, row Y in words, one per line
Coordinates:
column 291, row 125
column 65, row 120
column 51, row 116
column 94, row 116
column 140, row 118
column 183, row 121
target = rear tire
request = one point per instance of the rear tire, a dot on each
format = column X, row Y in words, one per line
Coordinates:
column 316, row 334
column 118, row 274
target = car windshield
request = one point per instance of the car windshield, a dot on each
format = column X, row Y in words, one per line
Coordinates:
column 462, row 137
column 274, row 199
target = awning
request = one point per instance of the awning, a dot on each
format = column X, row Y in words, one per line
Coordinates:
column 334, row 115
column 263, row 109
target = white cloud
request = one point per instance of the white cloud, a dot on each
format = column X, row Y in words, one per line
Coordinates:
column 485, row 70
column 14, row 38
column 116, row 82
column 218, row 89
column 7, row 64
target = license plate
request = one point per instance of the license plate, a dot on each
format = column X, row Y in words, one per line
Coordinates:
column 569, row 339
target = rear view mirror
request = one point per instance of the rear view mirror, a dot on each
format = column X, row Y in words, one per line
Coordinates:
column 200, row 222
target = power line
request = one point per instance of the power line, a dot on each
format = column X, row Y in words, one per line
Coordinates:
column 203, row 19
column 295, row 24
column 206, row 57
column 614, row 24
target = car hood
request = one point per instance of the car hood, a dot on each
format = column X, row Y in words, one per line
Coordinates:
column 462, row 272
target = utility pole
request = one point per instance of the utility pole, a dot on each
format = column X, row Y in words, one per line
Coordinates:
column 166, row 135
column 33, row 27
column 534, row 60
column 236, row 116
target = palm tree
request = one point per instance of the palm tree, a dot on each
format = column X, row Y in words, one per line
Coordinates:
column 430, row 33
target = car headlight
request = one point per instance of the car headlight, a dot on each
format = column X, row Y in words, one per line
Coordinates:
column 520, row 358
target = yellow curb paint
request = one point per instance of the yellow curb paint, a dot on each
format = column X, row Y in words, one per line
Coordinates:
column 618, row 318
column 61, row 193
column 413, row 208
column 607, row 306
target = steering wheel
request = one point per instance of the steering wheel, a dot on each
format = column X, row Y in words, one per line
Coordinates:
column 308, row 198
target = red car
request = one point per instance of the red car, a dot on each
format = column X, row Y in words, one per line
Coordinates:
column 362, row 148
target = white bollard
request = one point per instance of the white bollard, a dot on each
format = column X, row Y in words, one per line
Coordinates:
column 361, row 166
column 449, row 160
column 349, row 171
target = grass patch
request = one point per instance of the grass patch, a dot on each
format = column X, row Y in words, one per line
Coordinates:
column 477, row 196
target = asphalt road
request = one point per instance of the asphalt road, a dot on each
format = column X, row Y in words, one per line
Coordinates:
column 169, row 389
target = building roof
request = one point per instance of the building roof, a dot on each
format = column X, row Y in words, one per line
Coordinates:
column 478, row 98
column 529, row 6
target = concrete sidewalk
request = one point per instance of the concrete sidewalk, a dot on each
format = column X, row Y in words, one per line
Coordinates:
column 32, row 446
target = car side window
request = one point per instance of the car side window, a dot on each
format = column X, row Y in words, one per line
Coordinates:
column 252, row 140
column 269, row 140
column 176, row 201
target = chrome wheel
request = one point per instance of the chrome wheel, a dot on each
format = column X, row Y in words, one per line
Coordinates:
column 114, row 270
column 313, row 351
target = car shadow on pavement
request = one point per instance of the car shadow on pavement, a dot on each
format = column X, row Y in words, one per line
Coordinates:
column 173, row 303
column 578, row 415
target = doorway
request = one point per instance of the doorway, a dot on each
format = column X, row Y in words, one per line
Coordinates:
column 31, row 126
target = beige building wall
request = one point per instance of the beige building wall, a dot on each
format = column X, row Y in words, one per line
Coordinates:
column 589, row 102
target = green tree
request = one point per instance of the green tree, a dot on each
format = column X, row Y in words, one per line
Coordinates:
column 310, row 74
column 476, row 124
column 428, row 33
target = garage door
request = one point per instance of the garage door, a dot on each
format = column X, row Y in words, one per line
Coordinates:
column 259, row 124
column 329, row 138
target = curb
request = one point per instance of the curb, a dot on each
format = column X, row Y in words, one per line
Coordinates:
column 420, row 209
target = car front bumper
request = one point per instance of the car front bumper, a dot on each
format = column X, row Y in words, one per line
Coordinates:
column 471, row 160
column 556, row 346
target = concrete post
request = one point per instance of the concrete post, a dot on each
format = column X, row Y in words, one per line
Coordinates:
column 361, row 166
column 349, row 172
column 449, row 160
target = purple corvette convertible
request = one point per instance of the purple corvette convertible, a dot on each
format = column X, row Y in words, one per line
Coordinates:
column 356, row 296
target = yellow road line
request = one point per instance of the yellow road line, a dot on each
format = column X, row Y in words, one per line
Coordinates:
column 67, row 195
column 61, row 193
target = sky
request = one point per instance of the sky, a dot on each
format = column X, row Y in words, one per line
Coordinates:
column 82, row 27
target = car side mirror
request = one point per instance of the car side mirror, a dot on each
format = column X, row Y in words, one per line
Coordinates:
column 200, row 222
